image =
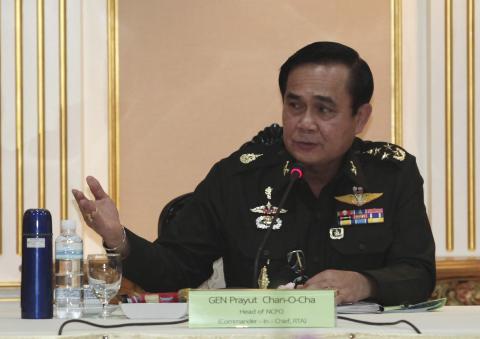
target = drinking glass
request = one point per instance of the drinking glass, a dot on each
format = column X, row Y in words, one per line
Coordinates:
column 105, row 276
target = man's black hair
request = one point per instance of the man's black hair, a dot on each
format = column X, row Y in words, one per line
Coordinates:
column 360, row 83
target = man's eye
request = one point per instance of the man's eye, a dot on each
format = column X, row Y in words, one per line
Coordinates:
column 295, row 105
column 324, row 109
column 326, row 112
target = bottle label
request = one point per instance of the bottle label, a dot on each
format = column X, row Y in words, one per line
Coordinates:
column 35, row 242
column 68, row 256
column 68, row 294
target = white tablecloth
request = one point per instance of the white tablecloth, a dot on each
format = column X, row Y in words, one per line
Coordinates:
column 450, row 321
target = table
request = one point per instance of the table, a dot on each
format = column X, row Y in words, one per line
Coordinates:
column 448, row 322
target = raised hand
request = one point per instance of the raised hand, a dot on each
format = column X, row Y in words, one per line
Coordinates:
column 100, row 214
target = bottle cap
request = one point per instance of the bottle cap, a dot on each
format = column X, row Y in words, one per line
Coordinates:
column 68, row 224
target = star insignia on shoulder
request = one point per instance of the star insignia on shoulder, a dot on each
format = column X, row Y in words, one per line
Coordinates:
column 247, row 158
column 387, row 151
column 399, row 154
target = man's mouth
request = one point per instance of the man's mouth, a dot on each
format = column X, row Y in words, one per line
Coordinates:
column 304, row 145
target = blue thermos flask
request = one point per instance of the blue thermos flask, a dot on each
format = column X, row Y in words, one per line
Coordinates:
column 36, row 289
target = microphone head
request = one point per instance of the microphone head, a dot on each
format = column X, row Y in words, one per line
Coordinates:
column 297, row 170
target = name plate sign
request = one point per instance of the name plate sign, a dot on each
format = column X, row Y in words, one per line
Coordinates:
column 261, row 308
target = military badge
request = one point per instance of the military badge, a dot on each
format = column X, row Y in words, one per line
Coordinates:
column 336, row 233
column 360, row 216
column 358, row 198
column 266, row 220
column 286, row 170
column 263, row 279
column 353, row 168
column 247, row 158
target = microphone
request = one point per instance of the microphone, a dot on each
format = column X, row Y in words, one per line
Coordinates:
column 295, row 173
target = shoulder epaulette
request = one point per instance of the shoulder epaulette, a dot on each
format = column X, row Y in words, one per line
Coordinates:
column 384, row 151
column 255, row 156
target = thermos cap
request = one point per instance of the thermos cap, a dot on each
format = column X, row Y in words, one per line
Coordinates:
column 37, row 221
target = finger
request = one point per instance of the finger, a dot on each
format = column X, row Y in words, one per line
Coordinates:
column 338, row 299
column 78, row 195
column 83, row 202
column 87, row 206
column 317, row 282
column 96, row 188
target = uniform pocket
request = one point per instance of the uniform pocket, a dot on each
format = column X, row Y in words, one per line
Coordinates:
column 363, row 239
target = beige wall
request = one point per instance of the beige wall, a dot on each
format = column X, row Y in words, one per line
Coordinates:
column 199, row 77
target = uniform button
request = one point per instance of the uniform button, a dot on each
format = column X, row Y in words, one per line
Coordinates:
column 362, row 247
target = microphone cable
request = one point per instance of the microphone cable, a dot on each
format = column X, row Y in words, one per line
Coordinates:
column 60, row 330
column 415, row 328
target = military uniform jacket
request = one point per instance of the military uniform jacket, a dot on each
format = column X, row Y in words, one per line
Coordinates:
column 370, row 218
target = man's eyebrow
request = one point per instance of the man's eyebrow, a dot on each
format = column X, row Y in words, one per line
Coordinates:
column 322, row 98
column 325, row 99
column 290, row 95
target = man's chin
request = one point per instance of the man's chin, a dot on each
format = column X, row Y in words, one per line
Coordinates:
column 306, row 160
column 309, row 159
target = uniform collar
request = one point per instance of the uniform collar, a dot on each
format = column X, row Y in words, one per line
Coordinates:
column 352, row 166
column 277, row 156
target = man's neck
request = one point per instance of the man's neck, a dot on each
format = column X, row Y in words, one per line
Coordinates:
column 317, row 177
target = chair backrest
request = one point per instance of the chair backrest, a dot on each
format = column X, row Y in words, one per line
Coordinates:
column 171, row 209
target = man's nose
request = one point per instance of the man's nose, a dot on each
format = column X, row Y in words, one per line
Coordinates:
column 307, row 121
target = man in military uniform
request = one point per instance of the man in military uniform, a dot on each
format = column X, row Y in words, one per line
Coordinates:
column 357, row 218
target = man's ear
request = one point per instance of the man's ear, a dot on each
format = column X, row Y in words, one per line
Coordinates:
column 362, row 116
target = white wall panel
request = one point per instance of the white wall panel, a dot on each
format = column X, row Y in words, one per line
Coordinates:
column 9, row 261
column 87, row 124
column 52, row 109
column 424, row 112
column 415, row 87
column 75, row 100
column 436, row 61
column 30, row 121
column 95, row 105
column 460, row 127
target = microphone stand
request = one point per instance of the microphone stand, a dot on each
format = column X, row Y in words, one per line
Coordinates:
column 295, row 173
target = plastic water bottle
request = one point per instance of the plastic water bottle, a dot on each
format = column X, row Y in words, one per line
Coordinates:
column 68, row 272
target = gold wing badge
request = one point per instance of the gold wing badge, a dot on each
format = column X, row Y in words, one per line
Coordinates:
column 358, row 198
